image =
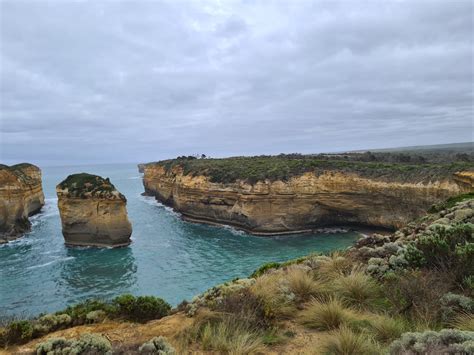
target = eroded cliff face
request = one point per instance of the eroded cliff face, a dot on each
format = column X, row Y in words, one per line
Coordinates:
column 93, row 212
column 303, row 203
column 21, row 195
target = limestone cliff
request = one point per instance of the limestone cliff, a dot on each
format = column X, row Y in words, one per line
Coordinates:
column 304, row 202
column 21, row 195
column 92, row 212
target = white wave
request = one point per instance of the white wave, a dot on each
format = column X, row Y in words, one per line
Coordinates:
column 153, row 202
column 49, row 209
column 50, row 262
column 134, row 178
column 234, row 230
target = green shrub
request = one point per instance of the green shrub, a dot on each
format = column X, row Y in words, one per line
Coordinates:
column 158, row 345
column 86, row 344
column 446, row 341
column 357, row 289
column 51, row 322
column 264, row 268
column 386, row 329
column 140, row 309
column 450, row 202
column 18, row 332
column 78, row 312
column 453, row 304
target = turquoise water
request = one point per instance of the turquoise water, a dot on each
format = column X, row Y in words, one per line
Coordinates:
column 168, row 257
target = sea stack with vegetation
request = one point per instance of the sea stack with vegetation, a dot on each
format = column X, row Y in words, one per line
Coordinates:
column 268, row 195
column 21, row 195
column 93, row 212
column 410, row 292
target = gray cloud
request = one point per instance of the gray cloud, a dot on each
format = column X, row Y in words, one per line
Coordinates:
column 112, row 81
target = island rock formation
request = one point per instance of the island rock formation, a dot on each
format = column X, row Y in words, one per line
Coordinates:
column 302, row 203
column 93, row 212
column 21, row 195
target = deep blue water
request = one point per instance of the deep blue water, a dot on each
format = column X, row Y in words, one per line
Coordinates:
column 168, row 257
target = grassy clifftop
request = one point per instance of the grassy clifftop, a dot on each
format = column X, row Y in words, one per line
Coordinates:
column 85, row 185
column 282, row 167
column 410, row 292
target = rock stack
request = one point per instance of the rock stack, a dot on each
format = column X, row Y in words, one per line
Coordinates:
column 93, row 212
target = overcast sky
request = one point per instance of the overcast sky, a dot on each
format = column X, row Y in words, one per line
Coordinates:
column 109, row 81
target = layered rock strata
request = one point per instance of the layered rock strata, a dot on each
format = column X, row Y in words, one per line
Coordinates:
column 93, row 212
column 21, row 195
column 302, row 203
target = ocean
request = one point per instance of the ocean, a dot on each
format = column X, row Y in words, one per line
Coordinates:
column 168, row 257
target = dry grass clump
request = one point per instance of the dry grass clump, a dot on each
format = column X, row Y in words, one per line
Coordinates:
column 386, row 329
column 224, row 333
column 274, row 292
column 357, row 289
column 463, row 321
column 329, row 267
column 326, row 315
column 303, row 286
column 344, row 341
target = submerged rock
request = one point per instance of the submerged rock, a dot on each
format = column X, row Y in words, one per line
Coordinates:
column 21, row 195
column 93, row 212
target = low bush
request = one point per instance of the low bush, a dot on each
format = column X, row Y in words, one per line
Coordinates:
column 453, row 304
column 329, row 267
column 141, row 308
column 303, row 286
column 463, row 321
column 158, row 345
column 326, row 315
column 17, row 332
column 78, row 312
column 386, row 329
column 264, row 268
column 86, row 344
column 344, row 341
column 446, row 341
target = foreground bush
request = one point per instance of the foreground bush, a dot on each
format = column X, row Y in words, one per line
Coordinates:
column 86, row 344
column 357, row 289
column 446, row 341
column 158, row 345
column 140, row 309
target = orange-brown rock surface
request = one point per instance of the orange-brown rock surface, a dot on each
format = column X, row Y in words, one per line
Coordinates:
column 21, row 195
column 302, row 203
column 93, row 212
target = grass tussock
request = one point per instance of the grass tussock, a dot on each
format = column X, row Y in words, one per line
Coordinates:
column 463, row 321
column 332, row 266
column 357, row 289
column 303, row 285
column 326, row 315
column 274, row 293
column 386, row 329
column 344, row 341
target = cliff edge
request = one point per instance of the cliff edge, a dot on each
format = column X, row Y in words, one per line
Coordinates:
column 21, row 195
column 273, row 195
column 93, row 212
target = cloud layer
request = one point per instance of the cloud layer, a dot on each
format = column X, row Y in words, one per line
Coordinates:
column 111, row 81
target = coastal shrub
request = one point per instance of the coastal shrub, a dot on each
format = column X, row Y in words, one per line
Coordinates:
column 96, row 316
column 453, row 304
column 158, row 345
column 450, row 202
column 325, row 315
column 416, row 294
column 446, row 341
column 86, row 344
column 79, row 312
column 18, row 332
column 344, row 341
column 446, row 248
column 51, row 322
column 141, row 308
column 357, row 289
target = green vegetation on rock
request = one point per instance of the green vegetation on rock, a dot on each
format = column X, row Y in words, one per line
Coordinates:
column 85, row 185
column 283, row 167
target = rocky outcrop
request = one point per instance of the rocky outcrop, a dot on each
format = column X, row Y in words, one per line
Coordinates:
column 141, row 168
column 21, row 195
column 302, row 203
column 93, row 212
